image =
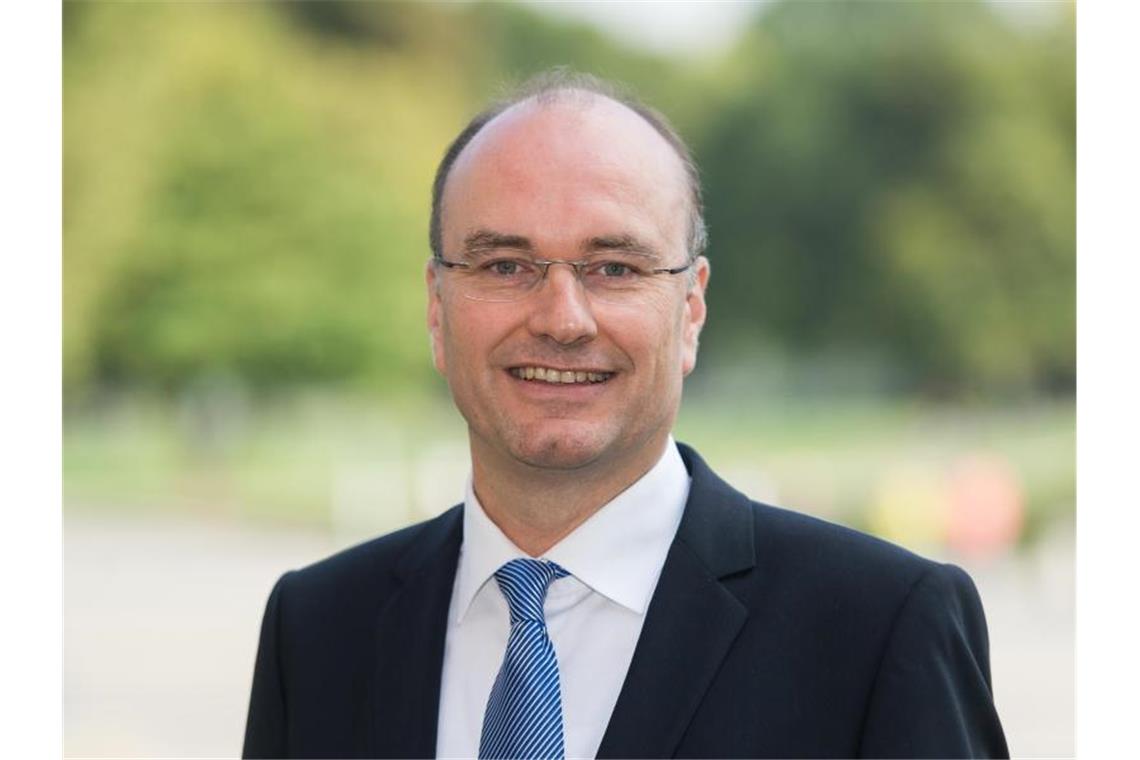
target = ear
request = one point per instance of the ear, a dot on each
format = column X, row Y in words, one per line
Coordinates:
column 434, row 318
column 693, row 318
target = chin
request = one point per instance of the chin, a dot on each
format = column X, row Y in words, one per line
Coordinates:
column 558, row 450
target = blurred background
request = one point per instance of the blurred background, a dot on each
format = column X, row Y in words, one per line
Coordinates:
column 247, row 386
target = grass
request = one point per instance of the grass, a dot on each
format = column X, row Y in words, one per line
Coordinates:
column 372, row 465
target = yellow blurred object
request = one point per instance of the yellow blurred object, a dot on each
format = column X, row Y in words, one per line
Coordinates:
column 910, row 506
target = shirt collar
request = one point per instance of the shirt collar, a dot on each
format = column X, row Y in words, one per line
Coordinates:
column 618, row 552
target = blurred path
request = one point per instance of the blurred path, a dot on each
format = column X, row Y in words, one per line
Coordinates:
column 1030, row 607
column 160, row 630
column 161, row 622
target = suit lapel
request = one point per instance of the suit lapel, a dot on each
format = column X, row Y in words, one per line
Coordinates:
column 691, row 622
column 410, row 633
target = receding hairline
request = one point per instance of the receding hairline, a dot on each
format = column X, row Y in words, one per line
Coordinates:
column 560, row 87
column 567, row 105
column 575, row 100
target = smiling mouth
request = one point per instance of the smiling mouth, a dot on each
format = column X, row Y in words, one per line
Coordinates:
column 555, row 376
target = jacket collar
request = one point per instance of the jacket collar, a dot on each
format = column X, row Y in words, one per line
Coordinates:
column 692, row 621
column 403, row 693
column 717, row 524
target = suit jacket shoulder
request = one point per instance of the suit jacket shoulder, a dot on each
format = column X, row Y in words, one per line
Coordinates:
column 795, row 637
column 361, row 574
column 349, row 646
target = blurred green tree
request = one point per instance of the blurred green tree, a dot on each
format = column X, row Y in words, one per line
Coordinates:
column 271, row 224
column 246, row 185
column 900, row 177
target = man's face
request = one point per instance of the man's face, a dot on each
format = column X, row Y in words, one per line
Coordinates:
column 560, row 176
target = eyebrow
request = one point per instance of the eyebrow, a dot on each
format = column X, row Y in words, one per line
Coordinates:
column 484, row 241
column 623, row 243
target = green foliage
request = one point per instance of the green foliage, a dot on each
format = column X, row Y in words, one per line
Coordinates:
column 901, row 177
column 246, row 185
column 279, row 232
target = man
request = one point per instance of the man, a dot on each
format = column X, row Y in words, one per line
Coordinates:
column 601, row 592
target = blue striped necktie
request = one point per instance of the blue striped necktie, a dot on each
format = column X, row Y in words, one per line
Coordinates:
column 524, row 711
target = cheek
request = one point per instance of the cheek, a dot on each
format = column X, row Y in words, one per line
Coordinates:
column 654, row 337
column 448, row 342
column 445, row 343
column 466, row 337
column 452, row 349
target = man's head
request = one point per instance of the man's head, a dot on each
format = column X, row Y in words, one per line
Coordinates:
column 567, row 174
column 559, row 84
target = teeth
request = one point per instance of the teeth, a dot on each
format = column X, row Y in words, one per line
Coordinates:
column 559, row 376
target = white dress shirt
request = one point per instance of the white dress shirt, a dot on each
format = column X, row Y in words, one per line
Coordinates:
column 594, row 615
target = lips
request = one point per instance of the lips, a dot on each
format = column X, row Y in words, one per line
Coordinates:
column 555, row 376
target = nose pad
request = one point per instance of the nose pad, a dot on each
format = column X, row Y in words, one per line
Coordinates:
column 570, row 271
column 563, row 310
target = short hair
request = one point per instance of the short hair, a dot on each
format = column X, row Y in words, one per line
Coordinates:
column 554, row 85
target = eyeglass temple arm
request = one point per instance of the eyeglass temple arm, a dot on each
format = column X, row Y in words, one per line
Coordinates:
column 450, row 264
column 674, row 270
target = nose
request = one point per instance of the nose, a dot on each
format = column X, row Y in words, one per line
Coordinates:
column 560, row 308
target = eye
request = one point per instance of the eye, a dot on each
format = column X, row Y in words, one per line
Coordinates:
column 505, row 267
column 615, row 270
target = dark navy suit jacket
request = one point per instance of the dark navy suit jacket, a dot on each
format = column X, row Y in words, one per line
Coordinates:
column 770, row 634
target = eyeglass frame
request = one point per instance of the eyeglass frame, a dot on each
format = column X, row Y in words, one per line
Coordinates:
column 545, row 264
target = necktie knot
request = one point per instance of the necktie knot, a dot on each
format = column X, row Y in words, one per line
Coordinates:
column 524, row 583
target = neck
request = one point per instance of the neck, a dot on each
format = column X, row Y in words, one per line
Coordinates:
column 537, row 507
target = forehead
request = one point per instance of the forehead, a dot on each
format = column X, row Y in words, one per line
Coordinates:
column 564, row 171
